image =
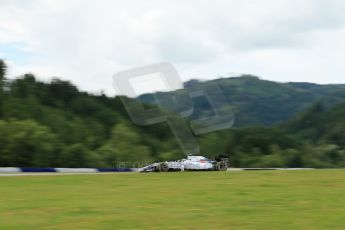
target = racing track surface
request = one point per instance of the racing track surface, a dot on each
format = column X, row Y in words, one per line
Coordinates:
column 75, row 172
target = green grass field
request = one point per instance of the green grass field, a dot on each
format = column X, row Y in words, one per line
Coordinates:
column 188, row 200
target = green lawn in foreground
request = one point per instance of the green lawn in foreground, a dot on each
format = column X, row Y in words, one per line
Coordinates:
column 182, row 200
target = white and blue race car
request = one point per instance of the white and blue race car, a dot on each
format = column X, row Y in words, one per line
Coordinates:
column 192, row 163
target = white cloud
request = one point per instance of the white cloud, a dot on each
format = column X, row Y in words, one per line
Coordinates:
column 87, row 41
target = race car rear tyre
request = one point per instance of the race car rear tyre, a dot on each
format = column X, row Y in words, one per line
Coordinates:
column 221, row 166
column 163, row 167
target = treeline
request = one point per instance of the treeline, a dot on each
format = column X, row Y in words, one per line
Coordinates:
column 53, row 124
column 276, row 147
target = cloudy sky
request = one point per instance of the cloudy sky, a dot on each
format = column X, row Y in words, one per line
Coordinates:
column 88, row 41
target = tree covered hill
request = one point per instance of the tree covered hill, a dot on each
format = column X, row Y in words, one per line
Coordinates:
column 313, row 138
column 261, row 102
column 320, row 125
column 53, row 124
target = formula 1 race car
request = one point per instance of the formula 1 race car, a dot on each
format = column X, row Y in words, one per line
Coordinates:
column 192, row 163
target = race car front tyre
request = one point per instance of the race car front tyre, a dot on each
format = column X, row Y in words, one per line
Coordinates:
column 221, row 166
column 163, row 167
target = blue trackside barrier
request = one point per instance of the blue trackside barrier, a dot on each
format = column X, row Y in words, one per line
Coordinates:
column 37, row 170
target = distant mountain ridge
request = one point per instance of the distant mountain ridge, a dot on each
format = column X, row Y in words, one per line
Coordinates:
column 262, row 102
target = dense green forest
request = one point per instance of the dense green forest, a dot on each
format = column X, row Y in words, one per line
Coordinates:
column 53, row 124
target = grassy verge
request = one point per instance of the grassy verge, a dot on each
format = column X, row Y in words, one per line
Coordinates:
column 190, row 200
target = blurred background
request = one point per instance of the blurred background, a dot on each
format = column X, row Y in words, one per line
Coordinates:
column 278, row 64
